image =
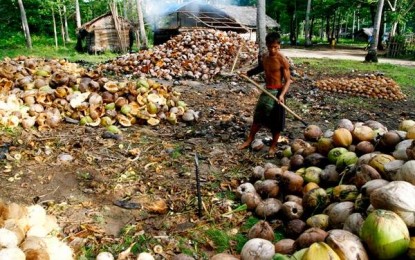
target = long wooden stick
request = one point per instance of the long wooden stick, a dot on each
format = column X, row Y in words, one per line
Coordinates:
column 236, row 57
column 274, row 97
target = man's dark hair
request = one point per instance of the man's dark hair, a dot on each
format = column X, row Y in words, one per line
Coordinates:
column 272, row 37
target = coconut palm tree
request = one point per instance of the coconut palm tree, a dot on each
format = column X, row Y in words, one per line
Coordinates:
column 372, row 54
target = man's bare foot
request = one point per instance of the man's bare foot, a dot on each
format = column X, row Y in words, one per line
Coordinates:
column 245, row 145
column 271, row 152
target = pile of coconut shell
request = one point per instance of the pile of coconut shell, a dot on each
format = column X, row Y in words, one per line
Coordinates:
column 197, row 54
column 370, row 86
column 28, row 232
column 345, row 193
column 42, row 93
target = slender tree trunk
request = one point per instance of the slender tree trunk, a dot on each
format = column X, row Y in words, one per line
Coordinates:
column 328, row 27
column 67, row 38
column 141, row 26
column 291, row 10
column 62, row 24
column 372, row 52
column 261, row 26
column 25, row 25
column 307, row 24
column 311, row 30
column 78, row 14
column 55, row 33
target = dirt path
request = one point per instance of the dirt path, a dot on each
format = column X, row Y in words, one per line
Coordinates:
column 344, row 54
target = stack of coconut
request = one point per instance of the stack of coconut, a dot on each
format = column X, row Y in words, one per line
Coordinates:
column 38, row 92
column 346, row 193
column 370, row 85
column 197, row 54
column 30, row 233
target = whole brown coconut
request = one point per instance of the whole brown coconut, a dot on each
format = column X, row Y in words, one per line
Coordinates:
column 272, row 173
column 388, row 141
column 299, row 145
column 309, row 237
column 365, row 173
column 345, row 123
column 364, row 147
column 268, row 208
column 312, row 133
column 251, row 200
column 316, row 159
column 291, row 183
column 294, row 228
column 267, row 188
column 292, row 210
column 285, row 246
column 296, row 162
column 263, row 230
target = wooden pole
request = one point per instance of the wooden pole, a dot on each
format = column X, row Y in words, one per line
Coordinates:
column 275, row 98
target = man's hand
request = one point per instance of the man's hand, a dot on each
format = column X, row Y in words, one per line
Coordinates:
column 242, row 73
column 281, row 99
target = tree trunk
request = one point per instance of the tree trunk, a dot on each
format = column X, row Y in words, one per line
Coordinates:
column 372, row 54
column 62, row 24
column 67, row 38
column 291, row 10
column 25, row 25
column 328, row 27
column 307, row 25
column 261, row 26
column 55, row 33
column 78, row 14
column 143, row 35
column 311, row 29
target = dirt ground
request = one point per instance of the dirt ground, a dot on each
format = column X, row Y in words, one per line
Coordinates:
column 146, row 180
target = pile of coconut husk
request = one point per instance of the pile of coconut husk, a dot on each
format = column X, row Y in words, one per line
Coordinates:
column 28, row 232
column 370, row 85
column 42, row 93
column 198, row 54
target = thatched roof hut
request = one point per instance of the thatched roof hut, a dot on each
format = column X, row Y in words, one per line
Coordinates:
column 246, row 15
column 107, row 32
column 190, row 15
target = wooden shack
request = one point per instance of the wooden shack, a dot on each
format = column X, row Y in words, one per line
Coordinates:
column 107, row 32
column 196, row 14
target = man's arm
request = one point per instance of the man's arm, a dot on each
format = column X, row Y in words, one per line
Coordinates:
column 286, row 75
column 258, row 69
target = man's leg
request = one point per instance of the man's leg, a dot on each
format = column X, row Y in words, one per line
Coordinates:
column 254, row 129
column 274, row 142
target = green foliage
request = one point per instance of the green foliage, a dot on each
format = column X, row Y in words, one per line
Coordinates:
column 249, row 223
column 220, row 238
column 240, row 242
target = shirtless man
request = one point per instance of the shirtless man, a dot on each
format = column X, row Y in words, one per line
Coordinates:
column 268, row 112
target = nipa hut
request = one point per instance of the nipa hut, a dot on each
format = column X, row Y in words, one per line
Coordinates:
column 107, row 32
column 193, row 15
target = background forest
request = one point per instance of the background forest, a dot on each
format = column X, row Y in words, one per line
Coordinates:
column 329, row 19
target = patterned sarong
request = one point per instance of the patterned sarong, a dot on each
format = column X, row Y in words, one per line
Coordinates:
column 269, row 113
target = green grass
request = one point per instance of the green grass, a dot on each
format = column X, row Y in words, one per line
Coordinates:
column 14, row 45
column 220, row 238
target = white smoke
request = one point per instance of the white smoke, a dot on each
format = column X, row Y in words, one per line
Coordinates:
column 154, row 9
